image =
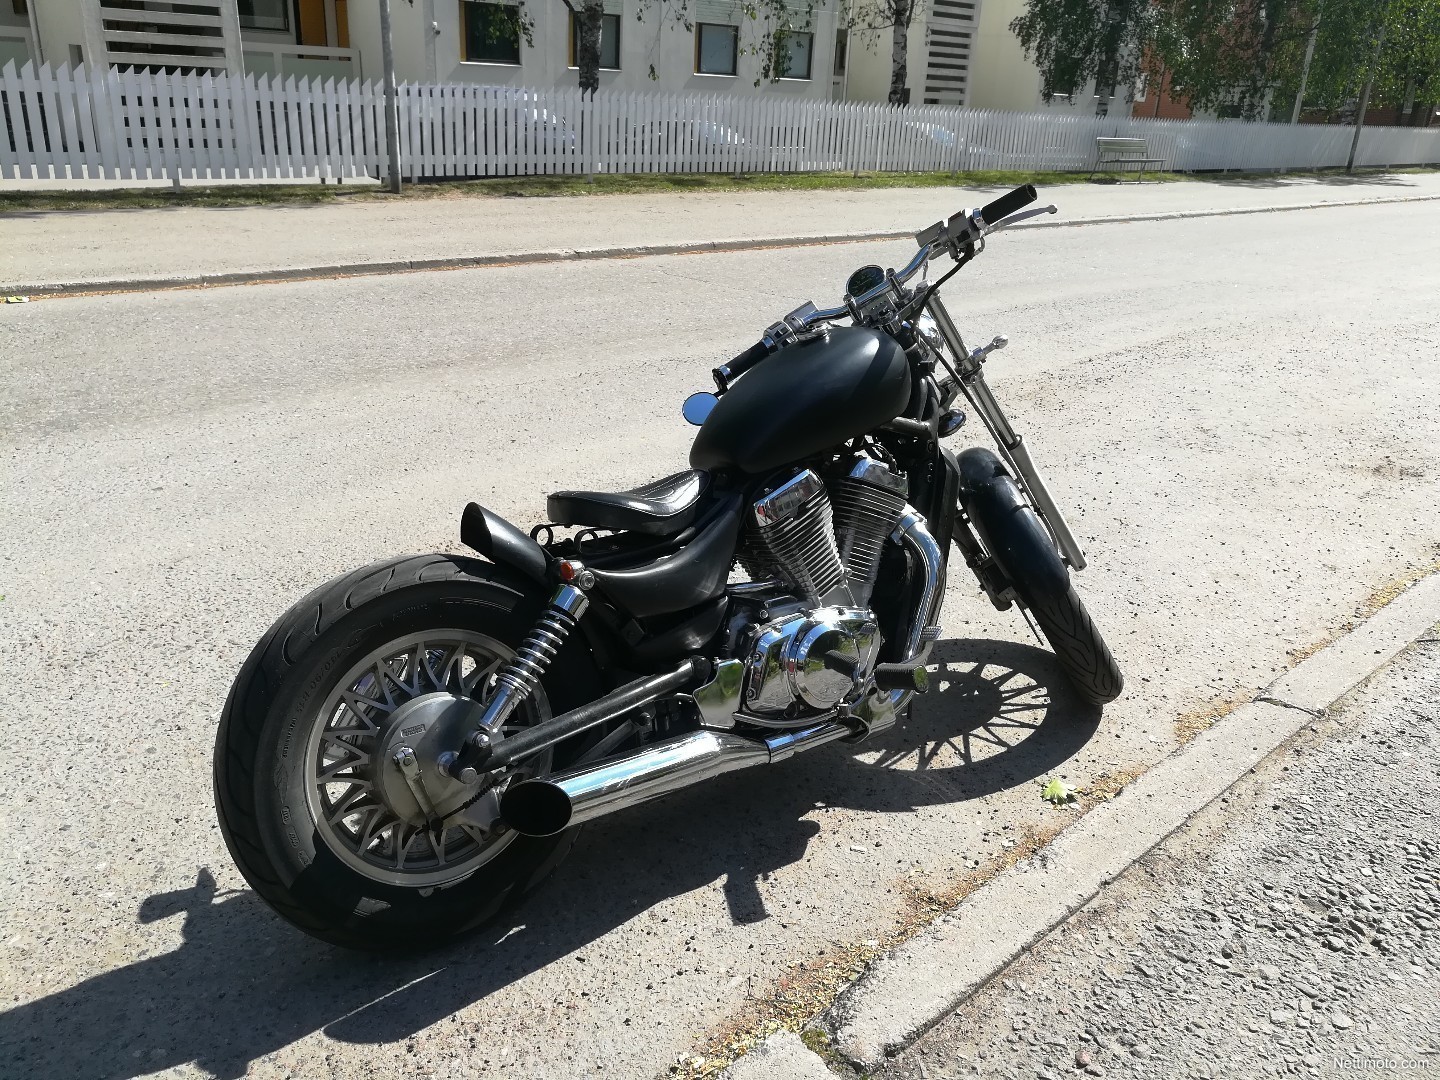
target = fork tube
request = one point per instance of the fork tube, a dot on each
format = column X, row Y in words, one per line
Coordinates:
column 1012, row 446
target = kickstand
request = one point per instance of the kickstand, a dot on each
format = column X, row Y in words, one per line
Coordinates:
column 1031, row 623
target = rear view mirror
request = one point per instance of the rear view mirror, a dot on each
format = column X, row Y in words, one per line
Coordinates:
column 697, row 407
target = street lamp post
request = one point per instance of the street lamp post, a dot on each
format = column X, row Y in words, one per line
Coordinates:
column 392, row 120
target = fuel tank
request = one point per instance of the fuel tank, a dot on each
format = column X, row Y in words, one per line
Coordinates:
column 804, row 399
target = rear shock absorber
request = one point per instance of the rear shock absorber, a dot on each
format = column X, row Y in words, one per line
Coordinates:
column 516, row 680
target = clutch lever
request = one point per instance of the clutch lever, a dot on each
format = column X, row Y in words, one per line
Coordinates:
column 1023, row 215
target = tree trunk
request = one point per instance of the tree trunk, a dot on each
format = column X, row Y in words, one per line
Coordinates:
column 1407, row 105
column 1365, row 99
column 1305, row 68
column 587, row 44
column 899, row 49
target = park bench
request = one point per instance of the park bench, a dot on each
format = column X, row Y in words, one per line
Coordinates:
column 1123, row 152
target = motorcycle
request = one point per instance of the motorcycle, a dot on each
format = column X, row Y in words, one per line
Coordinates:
column 412, row 747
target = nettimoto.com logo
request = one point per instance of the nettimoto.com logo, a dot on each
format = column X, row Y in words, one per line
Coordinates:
column 1383, row 1063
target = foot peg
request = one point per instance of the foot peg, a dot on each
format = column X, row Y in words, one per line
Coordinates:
column 914, row 677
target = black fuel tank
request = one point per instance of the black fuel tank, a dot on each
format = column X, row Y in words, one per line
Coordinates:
column 804, row 399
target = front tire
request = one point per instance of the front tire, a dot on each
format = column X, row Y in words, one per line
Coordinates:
column 1018, row 541
column 1078, row 646
column 294, row 755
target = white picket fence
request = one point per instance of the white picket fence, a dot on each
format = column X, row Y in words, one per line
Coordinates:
column 64, row 123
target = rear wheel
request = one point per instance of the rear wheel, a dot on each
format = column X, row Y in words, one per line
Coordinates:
column 313, row 803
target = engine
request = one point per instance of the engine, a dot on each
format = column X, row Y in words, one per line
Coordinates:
column 812, row 549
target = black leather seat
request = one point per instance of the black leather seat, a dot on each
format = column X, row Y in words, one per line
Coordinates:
column 661, row 508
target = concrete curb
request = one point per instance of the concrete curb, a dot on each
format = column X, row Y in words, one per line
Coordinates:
column 463, row 262
column 905, row 992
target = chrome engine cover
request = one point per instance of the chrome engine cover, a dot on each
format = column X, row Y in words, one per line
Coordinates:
column 816, row 658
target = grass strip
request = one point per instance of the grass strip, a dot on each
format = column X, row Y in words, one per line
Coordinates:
column 233, row 195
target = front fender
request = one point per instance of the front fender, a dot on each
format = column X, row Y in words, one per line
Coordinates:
column 503, row 544
column 1011, row 531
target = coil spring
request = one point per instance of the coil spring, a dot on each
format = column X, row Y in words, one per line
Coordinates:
column 522, row 674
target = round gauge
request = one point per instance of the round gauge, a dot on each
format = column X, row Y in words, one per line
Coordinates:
column 864, row 279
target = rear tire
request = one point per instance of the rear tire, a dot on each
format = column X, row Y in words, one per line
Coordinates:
column 264, row 776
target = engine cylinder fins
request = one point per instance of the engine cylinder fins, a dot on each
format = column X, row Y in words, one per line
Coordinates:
column 868, row 500
column 790, row 534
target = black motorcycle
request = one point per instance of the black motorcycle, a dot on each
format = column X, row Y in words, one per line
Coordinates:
column 411, row 746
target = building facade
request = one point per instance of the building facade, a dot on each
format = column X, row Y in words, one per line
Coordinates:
column 715, row 47
column 707, row 46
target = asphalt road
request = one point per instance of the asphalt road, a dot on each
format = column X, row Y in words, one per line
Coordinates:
column 1238, row 414
column 1289, row 929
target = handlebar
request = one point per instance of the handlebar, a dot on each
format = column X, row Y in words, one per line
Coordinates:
column 726, row 374
column 954, row 235
column 1008, row 203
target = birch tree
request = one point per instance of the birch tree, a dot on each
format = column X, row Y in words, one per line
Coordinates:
column 1075, row 41
column 589, row 27
column 877, row 16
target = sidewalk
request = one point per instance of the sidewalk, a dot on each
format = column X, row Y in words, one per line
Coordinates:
column 101, row 247
column 1288, row 928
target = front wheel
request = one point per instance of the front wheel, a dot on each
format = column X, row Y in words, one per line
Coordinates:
column 313, row 802
column 1078, row 646
column 1015, row 537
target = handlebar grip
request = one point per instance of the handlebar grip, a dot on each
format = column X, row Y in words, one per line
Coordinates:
column 728, row 373
column 1008, row 203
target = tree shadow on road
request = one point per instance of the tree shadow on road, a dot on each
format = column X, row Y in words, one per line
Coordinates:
column 1295, row 179
column 243, row 984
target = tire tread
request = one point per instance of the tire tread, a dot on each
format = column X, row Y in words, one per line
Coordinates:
column 247, row 706
column 1078, row 646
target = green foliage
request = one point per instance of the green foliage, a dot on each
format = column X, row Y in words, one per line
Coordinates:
column 1058, row 792
column 1229, row 57
column 1074, row 41
column 1239, row 57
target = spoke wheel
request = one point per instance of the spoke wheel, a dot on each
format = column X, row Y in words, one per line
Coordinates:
column 362, row 806
column 389, row 664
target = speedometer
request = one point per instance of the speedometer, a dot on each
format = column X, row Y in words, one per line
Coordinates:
column 863, row 280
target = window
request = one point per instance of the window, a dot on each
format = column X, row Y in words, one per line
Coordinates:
column 842, row 46
column 716, row 48
column 609, row 41
column 264, row 14
column 21, row 7
column 491, row 32
column 799, row 48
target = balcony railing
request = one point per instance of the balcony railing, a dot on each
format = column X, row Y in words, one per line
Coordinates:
column 303, row 61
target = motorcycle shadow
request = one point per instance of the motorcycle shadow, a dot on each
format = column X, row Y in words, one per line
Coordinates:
column 243, row 985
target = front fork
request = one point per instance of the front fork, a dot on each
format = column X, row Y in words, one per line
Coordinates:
column 1012, row 446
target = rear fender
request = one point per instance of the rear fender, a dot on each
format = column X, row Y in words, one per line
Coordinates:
column 505, row 545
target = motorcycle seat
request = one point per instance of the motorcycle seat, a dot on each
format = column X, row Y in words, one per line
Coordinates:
column 662, row 507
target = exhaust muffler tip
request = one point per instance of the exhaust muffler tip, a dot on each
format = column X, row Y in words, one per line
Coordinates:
column 536, row 808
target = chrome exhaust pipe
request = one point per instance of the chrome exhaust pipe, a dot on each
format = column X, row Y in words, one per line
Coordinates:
column 880, row 708
column 545, row 806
